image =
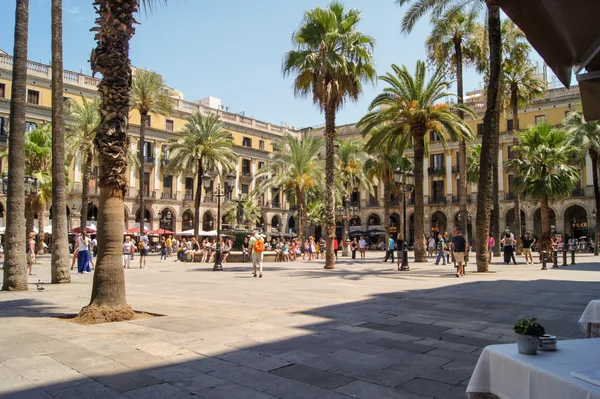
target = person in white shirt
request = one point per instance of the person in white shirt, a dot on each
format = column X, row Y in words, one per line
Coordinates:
column 128, row 249
column 362, row 247
column 83, row 255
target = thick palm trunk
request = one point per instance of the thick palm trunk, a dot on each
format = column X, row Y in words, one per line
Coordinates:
column 594, row 157
column 85, row 191
column 111, row 59
column 462, row 145
column 497, row 230
column 197, row 200
column 15, row 266
column 59, row 266
column 41, row 236
column 141, row 172
column 329, row 183
column 301, row 214
column 488, row 144
column 545, row 244
column 419, row 215
column 514, row 100
column 387, row 199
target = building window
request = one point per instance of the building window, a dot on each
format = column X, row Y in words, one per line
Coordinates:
column 246, row 167
column 480, row 129
column 437, row 162
column 434, row 137
column 3, row 126
column 30, row 126
column 247, row 142
column 355, row 197
column 260, row 165
column 509, row 125
column 510, row 186
column 245, row 189
column 168, row 184
column 227, row 190
column 169, row 125
column 509, row 152
column 148, row 150
column 33, row 97
column 2, row 90
column 373, row 197
column 438, row 190
column 261, row 144
column 540, row 119
column 146, row 184
column 189, row 188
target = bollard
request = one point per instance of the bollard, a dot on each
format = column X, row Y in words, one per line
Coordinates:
column 544, row 260
column 564, row 257
column 573, row 256
column 555, row 260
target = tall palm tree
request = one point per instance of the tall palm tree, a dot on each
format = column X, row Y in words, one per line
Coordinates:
column 114, row 28
column 15, row 267
column 149, row 94
column 294, row 168
column 350, row 158
column 455, row 41
column 522, row 86
column 250, row 210
column 545, row 169
column 409, row 109
column 83, row 119
column 331, row 60
column 204, row 145
column 490, row 140
column 60, row 236
column 586, row 137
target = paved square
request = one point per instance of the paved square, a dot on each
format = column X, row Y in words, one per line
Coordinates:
column 364, row 330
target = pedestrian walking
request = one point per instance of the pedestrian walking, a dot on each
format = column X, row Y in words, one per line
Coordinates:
column 30, row 251
column 362, row 247
column 256, row 246
column 528, row 241
column 163, row 249
column 169, row 244
column 245, row 252
column 83, row 255
column 514, row 243
column 431, row 247
column 143, row 245
column 389, row 249
column 128, row 250
column 460, row 247
column 491, row 243
column 354, row 247
column 441, row 245
column 508, row 243
column 336, row 246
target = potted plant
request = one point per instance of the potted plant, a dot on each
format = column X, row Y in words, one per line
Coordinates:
column 528, row 335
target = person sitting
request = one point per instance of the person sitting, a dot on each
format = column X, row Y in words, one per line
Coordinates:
column 225, row 249
column 212, row 251
column 206, row 252
column 182, row 250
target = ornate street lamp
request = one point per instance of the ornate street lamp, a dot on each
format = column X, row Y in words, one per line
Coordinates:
column 166, row 221
column 218, row 193
column 406, row 182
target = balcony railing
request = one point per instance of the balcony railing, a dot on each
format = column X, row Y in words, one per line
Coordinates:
column 188, row 197
column 148, row 194
column 373, row 203
column 437, row 200
column 149, row 160
column 262, row 202
column 456, row 199
column 436, row 171
column 246, row 175
column 167, row 196
column 578, row 192
column 277, row 205
column 209, row 198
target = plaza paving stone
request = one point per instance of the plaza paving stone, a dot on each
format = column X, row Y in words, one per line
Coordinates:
column 364, row 330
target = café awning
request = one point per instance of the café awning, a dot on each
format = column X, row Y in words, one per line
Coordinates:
column 566, row 34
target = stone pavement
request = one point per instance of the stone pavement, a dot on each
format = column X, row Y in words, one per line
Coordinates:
column 364, row 330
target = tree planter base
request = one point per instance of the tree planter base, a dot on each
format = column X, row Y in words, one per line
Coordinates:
column 527, row 344
column 100, row 314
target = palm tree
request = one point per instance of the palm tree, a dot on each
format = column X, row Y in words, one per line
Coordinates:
column 473, row 159
column 331, row 61
column 110, row 58
column 294, row 168
column 81, row 131
column 250, row 210
column 350, row 158
column 15, row 267
column 409, row 109
column 586, row 137
column 60, row 236
column 545, row 169
column 455, row 41
column 149, row 94
column 522, row 85
column 490, row 140
column 204, row 145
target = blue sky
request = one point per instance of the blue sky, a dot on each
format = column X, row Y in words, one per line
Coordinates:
column 230, row 49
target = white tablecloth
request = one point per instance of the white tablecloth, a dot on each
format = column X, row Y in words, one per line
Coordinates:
column 501, row 370
column 591, row 314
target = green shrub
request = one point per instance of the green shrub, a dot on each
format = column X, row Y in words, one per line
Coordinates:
column 529, row 326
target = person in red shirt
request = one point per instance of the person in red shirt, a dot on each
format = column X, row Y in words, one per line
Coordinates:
column 335, row 247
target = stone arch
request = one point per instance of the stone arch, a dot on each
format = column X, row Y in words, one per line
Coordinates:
column 373, row 220
column 456, row 221
column 509, row 220
column 537, row 221
column 209, row 220
column 187, row 219
column 394, row 223
column 292, row 223
column 166, row 222
column 576, row 221
column 92, row 211
column 354, row 221
column 439, row 222
column 276, row 222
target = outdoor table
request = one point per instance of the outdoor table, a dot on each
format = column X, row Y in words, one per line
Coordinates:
column 503, row 372
column 590, row 319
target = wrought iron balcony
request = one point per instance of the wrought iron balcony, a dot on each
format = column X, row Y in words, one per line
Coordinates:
column 276, row 204
column 167, row 196
column 436, row 171
column 437, row 200
column 149, row 161
column 188, row 197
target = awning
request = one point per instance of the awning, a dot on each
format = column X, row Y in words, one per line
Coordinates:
column 161, row 232
column 566, row 34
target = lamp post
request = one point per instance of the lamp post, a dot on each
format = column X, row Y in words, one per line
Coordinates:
column 218, row 193
column 31, row 184
column 405, row 181
column 166, row 221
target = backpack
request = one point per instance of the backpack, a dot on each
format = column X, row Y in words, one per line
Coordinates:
column 142, row 244
column 259, row 245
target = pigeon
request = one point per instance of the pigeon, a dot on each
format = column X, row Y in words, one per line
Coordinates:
column 40, row 285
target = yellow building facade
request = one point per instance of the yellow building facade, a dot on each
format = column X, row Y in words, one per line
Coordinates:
column 165, row 194
column 571, row 215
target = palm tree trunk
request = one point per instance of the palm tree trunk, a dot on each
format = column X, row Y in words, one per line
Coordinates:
column 301, row 214
column 387, row 199
column 462, row 145
column 85, row 190
column 545, row 244
column 514, row 100
column 39, row 243
column 111, row 59
column 488, row 144
column 329, row 183
column 141, row 171
column 59, row 265
column 197, row 200
column 15, row 265
column 419, row 146
column 495, row 221
column 594, row 157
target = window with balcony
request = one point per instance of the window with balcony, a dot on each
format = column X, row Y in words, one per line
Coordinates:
column 355, row 196
column 245, row 189
column 2, row 90
column 510, row 195
column 189, row 188
column 437, row 162
column 228, row 191
column 33, row 97
column 30, row 126
column 167, row 187
column 148, row 152
column 373, row 197
column 261, row 145
column 438, row 191
column 246, row 167
column 480, row 129
column 509, row 125
column 509, row 152
column 276, row 198
column 169, row 125
column 539, row 119
column 247, row 142
column 434, row 137
column 146, row 184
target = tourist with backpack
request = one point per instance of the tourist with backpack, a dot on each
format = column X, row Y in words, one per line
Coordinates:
column 257, row 247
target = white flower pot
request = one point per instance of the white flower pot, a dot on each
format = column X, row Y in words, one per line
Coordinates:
column 527, row 344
